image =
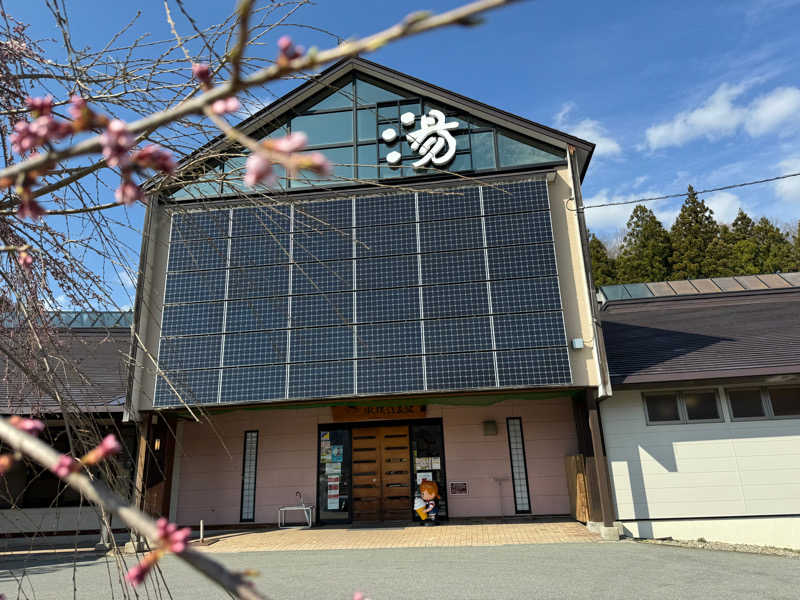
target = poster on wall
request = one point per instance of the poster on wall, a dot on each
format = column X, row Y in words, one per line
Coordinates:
column 436, row 463
column 333, row 492
column 423, row 463
column 424, row 475
column 325, row 452
column 333, row 467
column 337, row 454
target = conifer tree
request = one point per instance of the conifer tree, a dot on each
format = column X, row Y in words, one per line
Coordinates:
column 775, row 252
column 646, row 249
column 744, row 251
column 603, row 267
column 720, row 259
column 691, row 234
column 796, row 245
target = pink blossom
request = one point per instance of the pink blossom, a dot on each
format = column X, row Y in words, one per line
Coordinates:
column 201, row 72
column 290, row 143
column 40, row 106
column 358, row 596
column 225, row 106
column 25, row 260
column 288, row 50
column 155, row 157
column 173, row 538
column 105, row 448
column 65, row 466
column 128, row 193
column 6, row 462
column 319, row 164
column 77, row 107
column 30, row 209
column 31, row 426
column 116, row 142
column 137, row 573
column 24, row 138
column 258, row 169
column 47, row 129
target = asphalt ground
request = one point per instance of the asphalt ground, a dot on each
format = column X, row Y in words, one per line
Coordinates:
column 613, row 570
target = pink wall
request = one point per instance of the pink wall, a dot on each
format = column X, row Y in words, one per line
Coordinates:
column 210, row 481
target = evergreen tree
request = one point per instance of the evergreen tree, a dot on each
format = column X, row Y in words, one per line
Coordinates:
column 692, row 233
column 646, row 249
column 742, row 226
column 744, row 251
column 796, row 245
column 775, row 252
column 603, row 267
column 720, row 259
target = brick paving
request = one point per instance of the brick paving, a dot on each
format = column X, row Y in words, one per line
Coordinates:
column 401, row 536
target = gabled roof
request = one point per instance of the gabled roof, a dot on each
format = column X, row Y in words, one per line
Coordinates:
column 702, row 336
column 327, row 79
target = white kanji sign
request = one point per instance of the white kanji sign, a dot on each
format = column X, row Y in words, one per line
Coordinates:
column 432, row 141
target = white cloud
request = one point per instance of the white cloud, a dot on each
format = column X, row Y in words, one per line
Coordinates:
column 720, row 116
column 639, row 181
column 725, row 206
column 127, row 279
column 788, row 190
column 589, row 130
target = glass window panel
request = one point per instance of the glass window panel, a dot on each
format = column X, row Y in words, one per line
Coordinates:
column 322, row 277
column 387, row 305
column 368, row 161
column 519, row 469
column 453, row 267
column 391, row 112
column 197, row 352
column 662, row 407
column 785, row 401
column 746, row 404
column 461, row 162
column 533, row 367
column 259, row 250
column 249, row 473
column 193, row 255
column 257, row 348
column 321, row 343
column 367, row 93
column 386, row 272
column 331, row 509
column 195, row 286
column 462, row 140
column 386, row 240
column 525, row 295
column 455, row 300
column 463, row 202
column 322, row 309
column 522, row 261
column 513, row 153
column 342, row 98
column 384, row 375
column 529, row 330
column 367, row 123
column 257, row 313
column 254, row 384
column 460, row 371
column 515, row 197
column 701, row 405
column 258, row 281
column 389, row 339
column 272, row 219
column 387, row 172
column 457, row 335
column 378, row 210
column 188, row 319
column 327, row 128
column 451, row 235
column 193, row 387
column 343, row 171
column 483, row 150
column 521, row 228
column 321, row 379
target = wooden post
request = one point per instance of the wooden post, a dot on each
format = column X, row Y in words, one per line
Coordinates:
column 601, row 464
column 141, row 461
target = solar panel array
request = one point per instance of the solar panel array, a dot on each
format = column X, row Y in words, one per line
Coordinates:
column 402, row 292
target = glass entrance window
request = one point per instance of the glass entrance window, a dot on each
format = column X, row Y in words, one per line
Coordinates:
column 427, row 455
column 333, row 475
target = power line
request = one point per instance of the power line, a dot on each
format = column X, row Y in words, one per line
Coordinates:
column 718, row 189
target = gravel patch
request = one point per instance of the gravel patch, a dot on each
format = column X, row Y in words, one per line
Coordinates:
column 706, row 545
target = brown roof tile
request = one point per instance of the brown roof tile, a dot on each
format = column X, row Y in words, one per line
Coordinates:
column 773, row 281
column 793, row 278
column 728, row 284
column 683, row 287
column 704, row 286
column 751, row 282
column 661, row 288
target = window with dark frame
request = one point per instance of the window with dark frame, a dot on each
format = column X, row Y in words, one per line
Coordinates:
column 249, row 467
column 519, row 469
column 746, row 404
column 695, row 406
column 764, row 403
column 662, row 408
column 785, row 402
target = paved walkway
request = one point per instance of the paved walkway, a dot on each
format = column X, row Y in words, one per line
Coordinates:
column 411, row 536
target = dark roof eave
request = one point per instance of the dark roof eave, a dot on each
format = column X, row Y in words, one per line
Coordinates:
column 691, row 376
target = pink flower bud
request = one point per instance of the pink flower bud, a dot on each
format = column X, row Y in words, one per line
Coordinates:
column 172, row 537
column 77, row 107
column 201, row 72
column 138, row 573
column 40, row 106
column 288, row 50
column 358, row 596
column 319, row 164
column 6, row 462
column 31, row 426
column 65, row 466
column 25, row 260
column 108, row 446
column 225, row 106
column 290, row 143
column 30, row 209
column 257, row 170
column 155, row 157
column 128, row 193
column 116, row 142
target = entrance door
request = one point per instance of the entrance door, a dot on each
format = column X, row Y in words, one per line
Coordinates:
column 381, row 474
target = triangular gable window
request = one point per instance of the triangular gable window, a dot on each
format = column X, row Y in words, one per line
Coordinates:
column 362, row 128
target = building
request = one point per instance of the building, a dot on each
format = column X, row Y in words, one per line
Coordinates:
column 424, row 313
column 702, row 432
column 90, row 371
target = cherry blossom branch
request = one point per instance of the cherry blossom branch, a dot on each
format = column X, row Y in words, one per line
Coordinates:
column 414, row 24
column 97, row 492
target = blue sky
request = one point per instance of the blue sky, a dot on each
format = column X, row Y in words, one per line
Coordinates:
column 673, row 93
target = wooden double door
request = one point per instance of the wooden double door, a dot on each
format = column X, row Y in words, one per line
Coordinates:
column 381, row 473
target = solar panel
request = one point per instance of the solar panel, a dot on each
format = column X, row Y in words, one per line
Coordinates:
column 454, row 289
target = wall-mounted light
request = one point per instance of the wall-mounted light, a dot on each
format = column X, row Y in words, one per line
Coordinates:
column 490, row 428
column 157, row 444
